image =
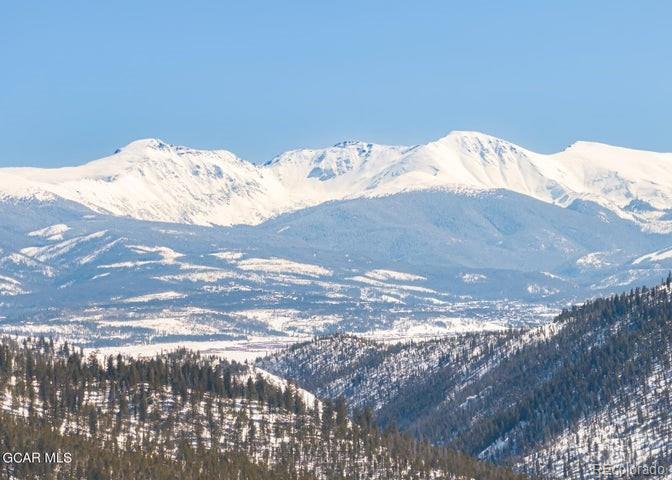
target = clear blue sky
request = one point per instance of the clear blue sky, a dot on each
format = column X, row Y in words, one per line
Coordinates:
column 81, row 78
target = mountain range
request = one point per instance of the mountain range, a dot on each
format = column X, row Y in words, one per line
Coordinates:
column 454, row 264
column 160, row 243
column 151, row 180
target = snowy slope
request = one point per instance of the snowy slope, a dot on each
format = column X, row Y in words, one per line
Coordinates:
column 592, row 387
column 151, row 180
column 465, row 233
column 414, row 264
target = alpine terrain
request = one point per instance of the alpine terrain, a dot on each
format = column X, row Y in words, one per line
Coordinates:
column 160, row 244
column 584, row 397
column 183, row 416
column 386, row 312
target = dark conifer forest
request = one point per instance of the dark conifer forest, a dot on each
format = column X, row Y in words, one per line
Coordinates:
column 592, row 387
column 184, row 416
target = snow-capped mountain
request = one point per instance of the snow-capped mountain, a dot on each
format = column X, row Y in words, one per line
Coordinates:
column 151, row 180
column 412, row 264
column 465, row 233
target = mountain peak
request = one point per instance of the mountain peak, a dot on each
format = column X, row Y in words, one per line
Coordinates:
column 471, row 135
column 145, row 144
column 350, row 143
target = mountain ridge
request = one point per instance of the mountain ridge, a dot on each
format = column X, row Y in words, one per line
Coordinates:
column 591, row 387
column 152, row 180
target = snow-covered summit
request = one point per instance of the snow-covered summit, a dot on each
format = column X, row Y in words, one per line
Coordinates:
column 145, row 143
column 152, row 180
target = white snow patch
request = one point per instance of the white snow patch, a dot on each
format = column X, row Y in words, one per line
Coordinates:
column 387, row 275
column 170, row 295
column 167, row 254
column 20, row 259
column 281, row 265
column 594, row 260
column 10, row 286
column 655, row 256
column 544, row 291
column 391, row 287
column 52, row 251
column 163, row 325
column 228, row 255
column 53, row 232
column 289, row 320
column 473, row 277
column 96, row 253
column 205, row 276
column 239, row 350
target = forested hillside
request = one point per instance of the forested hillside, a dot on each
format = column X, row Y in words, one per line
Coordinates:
column 183, row 416
column 594, row 386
